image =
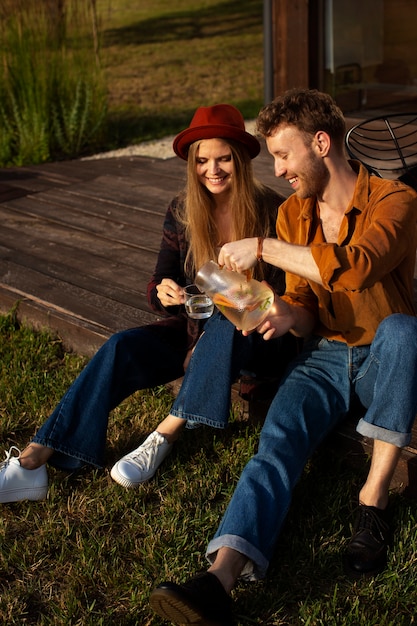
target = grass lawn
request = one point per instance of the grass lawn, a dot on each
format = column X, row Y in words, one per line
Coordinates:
column 162, row 60
column 91, row 553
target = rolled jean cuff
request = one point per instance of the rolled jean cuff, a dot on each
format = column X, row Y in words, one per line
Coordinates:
column 200, row 419
column 64, row 458
column 383, row 434
column 256, row 566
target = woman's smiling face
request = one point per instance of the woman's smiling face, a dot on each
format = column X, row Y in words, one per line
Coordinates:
column 214, row 165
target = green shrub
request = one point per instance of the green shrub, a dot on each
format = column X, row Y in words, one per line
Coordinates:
column 53, row 101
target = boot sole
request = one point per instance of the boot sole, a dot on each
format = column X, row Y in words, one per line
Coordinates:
column 171, row 606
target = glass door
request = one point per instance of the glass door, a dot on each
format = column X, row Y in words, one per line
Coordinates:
column 370, row 53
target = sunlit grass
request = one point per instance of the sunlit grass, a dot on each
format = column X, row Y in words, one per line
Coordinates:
column 91, row 553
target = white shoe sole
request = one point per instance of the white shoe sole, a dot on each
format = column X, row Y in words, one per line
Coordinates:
column 17, row 495
column 122, row 480
column 128, row 482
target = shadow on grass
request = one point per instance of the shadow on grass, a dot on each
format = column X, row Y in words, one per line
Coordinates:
column 124, row 128
column 128, row 127
column 224, row 19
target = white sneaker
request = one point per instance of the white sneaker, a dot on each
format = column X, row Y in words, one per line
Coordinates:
column 18, row 483
column 141, row 464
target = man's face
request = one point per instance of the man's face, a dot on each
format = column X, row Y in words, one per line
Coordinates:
column 298, row 163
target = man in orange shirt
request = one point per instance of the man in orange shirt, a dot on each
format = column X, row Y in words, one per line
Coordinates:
column 347, row 241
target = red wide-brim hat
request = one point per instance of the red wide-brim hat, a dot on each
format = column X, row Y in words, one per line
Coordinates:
column 221, row 121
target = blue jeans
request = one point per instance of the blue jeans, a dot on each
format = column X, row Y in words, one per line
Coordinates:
column 141, row 358
column 220, row 355
column 130, row 360
column 313, row 398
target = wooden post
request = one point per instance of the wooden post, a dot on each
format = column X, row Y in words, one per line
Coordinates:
column 290, row 44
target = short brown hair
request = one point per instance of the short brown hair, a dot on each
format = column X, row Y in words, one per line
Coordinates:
column 309, row 110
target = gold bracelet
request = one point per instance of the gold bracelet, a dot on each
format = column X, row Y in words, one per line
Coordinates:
column 259, row 249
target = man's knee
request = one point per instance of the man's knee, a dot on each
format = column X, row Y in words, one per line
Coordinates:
column 399, row 328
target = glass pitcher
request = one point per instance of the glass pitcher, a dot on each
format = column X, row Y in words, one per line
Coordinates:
column 245, row 302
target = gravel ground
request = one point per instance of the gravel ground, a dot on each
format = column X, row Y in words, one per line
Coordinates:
column 161, row 149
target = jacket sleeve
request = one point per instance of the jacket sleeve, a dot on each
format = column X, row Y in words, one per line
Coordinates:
column 170, row 261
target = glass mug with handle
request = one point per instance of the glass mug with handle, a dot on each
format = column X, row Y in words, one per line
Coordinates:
column 244, row 301
column 199, row 306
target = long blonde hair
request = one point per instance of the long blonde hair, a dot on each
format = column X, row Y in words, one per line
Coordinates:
column 250, row 210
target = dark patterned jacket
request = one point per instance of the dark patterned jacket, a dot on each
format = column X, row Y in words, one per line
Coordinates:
column 171, row 264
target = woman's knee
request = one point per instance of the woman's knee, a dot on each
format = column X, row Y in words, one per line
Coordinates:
column 121, row 343
column 112, row 342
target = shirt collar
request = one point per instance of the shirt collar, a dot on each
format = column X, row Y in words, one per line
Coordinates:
column 360, row 197
column 361, row 194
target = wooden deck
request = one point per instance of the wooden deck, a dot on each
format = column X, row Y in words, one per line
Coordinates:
column 79, row 240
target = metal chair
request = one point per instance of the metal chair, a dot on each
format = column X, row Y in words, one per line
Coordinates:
column 387, row 146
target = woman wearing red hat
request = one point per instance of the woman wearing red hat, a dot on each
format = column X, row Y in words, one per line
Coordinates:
column 221, row 202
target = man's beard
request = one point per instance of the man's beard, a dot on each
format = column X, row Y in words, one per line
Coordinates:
column 313, row 179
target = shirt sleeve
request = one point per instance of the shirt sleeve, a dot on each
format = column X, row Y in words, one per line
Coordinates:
column 273, row 275
column 297, row 290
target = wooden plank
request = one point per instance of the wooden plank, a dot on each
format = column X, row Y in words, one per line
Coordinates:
column 137, row 195
column 107, row 229
column 62, row 172
column 8, row 192
column 82, row 336
column 35, row 178
column 116, row 281
column 65, row 173
column 20, row 232
column 71, row 298
column 117, row 202
column 357, row 450
column 173, row 170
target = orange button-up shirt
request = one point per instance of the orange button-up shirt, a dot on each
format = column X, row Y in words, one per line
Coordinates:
column 368, row 274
